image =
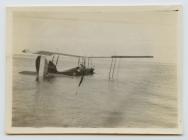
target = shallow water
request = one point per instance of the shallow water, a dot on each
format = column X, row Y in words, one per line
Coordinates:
column 142, row 95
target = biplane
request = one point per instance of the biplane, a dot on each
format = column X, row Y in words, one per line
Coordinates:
column 84, row 67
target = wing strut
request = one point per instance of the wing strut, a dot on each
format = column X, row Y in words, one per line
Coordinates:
column 57, row 60
column 114, row 66
column 53, row 58
column 78, row 61
column 110, row 68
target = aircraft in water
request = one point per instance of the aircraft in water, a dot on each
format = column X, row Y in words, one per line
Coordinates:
column 84, row 67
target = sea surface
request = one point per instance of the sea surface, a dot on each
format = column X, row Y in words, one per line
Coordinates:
column 141, row 95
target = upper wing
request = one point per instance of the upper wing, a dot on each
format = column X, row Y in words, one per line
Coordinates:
column 49, row 53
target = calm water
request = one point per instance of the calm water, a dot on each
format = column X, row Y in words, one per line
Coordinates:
column 141, row 95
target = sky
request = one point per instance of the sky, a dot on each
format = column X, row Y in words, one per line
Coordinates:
column 98, row 31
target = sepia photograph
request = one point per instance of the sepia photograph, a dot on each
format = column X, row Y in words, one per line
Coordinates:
column 93, row 70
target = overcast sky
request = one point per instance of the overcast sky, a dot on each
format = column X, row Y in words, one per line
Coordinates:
column 95, row 32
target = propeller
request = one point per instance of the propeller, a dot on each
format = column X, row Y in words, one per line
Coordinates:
column 83, row 66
